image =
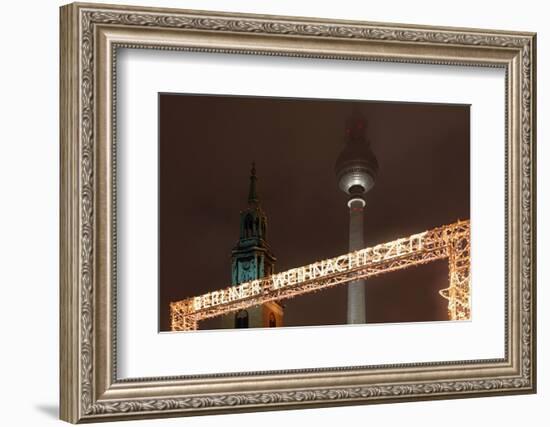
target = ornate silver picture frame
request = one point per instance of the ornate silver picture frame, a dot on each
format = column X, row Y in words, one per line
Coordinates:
column 91, row 37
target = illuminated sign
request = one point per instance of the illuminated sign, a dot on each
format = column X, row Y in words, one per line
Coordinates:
column 449, row 241
column 317, row 270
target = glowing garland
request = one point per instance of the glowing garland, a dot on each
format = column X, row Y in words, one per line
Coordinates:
column 450, row 241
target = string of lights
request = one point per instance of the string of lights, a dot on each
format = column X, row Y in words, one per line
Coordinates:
column 450, row 242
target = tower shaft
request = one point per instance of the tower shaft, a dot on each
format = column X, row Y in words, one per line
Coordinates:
column 356, row 290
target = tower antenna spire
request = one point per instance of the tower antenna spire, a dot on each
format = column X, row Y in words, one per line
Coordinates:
column 356, row 126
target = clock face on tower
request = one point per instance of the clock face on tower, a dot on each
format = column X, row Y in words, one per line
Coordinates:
column 247, row 270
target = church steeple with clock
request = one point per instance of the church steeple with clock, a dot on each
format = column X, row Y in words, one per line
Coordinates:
column 251, row 259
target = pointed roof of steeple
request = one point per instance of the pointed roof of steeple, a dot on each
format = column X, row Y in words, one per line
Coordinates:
column 253, row 198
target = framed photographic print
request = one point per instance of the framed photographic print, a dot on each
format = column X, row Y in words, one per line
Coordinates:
column 266, row 212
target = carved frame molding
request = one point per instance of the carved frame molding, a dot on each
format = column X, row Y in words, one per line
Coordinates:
column 90, row 36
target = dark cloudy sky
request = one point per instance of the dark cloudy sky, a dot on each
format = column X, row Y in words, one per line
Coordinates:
column 206, row 146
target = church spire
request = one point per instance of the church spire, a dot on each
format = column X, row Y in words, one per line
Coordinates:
column 253, row 192
column 253, row 218
column 251, row 259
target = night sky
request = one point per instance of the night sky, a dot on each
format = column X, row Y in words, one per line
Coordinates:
column 206, row 147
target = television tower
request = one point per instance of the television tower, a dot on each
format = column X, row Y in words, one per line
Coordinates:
column 356, row 169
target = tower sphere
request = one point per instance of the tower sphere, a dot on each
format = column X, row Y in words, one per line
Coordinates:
column 356, row 167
